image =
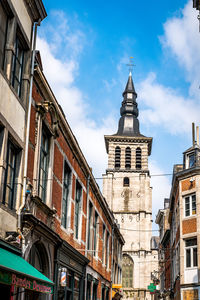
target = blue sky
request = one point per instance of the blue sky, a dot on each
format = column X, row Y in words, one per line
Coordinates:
column 85, row 46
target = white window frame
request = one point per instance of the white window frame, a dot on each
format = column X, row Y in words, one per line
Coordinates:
column 190, row 205
column 191, row 248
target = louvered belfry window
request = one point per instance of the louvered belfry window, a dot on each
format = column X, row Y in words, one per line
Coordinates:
column 117, row 157
column 138, row 158
column 128, row 158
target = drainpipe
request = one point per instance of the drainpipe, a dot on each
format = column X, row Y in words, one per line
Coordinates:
column 87, row 226
column 19, row 225
column 112, row 265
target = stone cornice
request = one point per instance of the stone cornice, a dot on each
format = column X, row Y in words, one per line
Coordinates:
column 36, row 9
column 129, row 139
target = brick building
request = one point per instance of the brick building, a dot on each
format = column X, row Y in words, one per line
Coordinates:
column 184, row 218
column 67, row 225
column 18, row 27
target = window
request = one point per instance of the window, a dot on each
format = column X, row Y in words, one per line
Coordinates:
column 128, row 158
column 107, row 249
column 88, row 297
column 107, row 294
column 10, row 176
column 3, row 30
column 95, row 233
column 65, row 199
column 138, row 158
column 191, row 253
column 191, row 158
column 103, row 290
column 117, row 157
column 190, row 205
column 126, row 181
column 77, row 207
column 103, row 250
column 44, row 164
column 1, row 138
column 94, row 292
column 89, row 225
column 17, row 66
column 127, row 272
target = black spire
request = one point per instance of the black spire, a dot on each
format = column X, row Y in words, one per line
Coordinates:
column 128, row 123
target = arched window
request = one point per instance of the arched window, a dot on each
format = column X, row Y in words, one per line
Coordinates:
column 126, row 181
column 128, row 158
column 117, row 157
column 138, row 158
column 127, row 272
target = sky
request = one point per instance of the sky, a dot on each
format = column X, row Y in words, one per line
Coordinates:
column 85, row 48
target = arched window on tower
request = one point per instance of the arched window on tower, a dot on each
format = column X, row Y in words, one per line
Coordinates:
column 126, row 181
column 127, row 271
column 138, row 158
column 117, row 157
column 128, row 158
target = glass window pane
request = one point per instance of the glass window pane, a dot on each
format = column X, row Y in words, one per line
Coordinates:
column 191, row 242
column 194, row 204
column 3, row 26
column 191, row 160
column 44, row 165
column 188, row 258
column 195, row 257
column 187, row 206
column 17, row 66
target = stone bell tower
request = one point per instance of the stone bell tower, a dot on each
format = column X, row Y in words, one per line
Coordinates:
column 126, row 187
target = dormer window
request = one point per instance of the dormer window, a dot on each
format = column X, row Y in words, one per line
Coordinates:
column 191, row 160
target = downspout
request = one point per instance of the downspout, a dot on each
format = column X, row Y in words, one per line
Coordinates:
column 19, row 225
column 87, row 227
column 112, row 265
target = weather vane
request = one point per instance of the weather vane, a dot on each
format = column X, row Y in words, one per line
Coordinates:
column 130, row 65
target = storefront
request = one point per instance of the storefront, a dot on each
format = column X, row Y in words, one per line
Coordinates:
column 70, row 273
column 18, row 277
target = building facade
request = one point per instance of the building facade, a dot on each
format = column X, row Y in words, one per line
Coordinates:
column 180, row 237
column 18, row 27
column 164, row 275
column 184, row 224
column 126, row 186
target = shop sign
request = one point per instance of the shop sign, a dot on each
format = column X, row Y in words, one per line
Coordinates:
column 24, row 282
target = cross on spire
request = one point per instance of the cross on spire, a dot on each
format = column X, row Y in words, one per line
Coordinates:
column 130, row 65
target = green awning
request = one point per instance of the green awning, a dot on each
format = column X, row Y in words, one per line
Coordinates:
column 22, row 274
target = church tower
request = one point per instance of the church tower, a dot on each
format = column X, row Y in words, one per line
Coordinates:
column 126, row 187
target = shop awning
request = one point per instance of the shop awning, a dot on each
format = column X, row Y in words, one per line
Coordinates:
column 18, row 272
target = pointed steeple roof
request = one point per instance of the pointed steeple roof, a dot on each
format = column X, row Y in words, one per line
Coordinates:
column 128, row 123
column 129, row 86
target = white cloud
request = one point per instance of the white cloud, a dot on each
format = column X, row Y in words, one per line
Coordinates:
column 166, row 108
column 61, row 73
column 183, row 39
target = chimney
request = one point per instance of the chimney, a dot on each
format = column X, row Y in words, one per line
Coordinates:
column 197, row 132
column 193, row 134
